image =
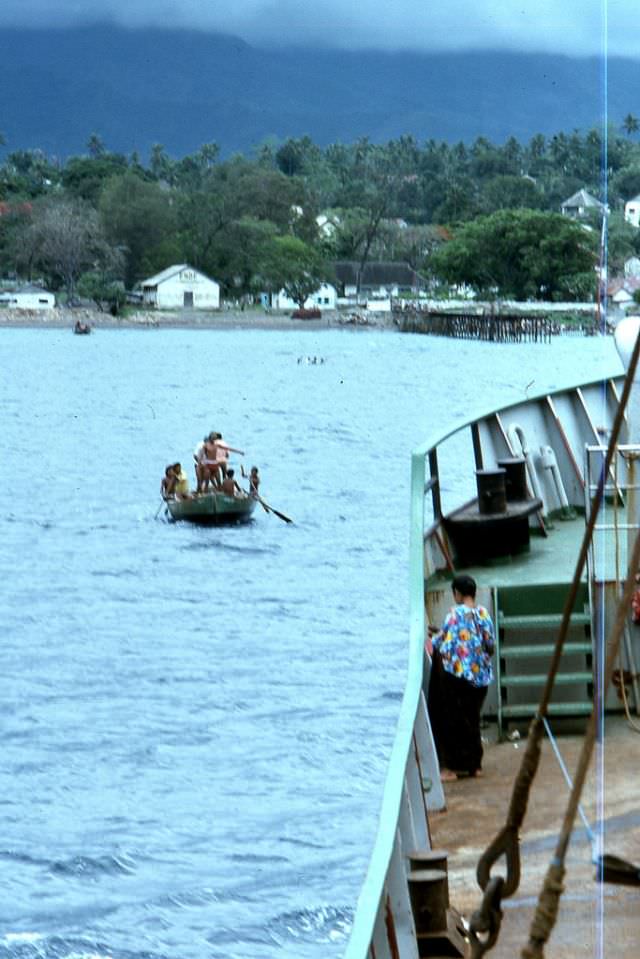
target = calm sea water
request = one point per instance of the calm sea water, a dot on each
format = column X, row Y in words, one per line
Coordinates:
column 196, row 722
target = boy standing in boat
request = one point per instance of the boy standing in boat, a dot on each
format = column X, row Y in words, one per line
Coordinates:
column 254, row 481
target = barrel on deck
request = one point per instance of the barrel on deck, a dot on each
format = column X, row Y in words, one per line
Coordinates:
column 492, row 492
column 516, row 477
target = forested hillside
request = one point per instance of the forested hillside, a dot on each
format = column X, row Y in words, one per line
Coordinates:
column 182, row 88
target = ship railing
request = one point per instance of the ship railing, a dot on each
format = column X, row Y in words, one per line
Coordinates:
column 383, row 925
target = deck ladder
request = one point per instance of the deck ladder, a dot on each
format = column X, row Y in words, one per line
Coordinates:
column 528, row 619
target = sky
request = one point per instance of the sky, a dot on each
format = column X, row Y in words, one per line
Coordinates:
column 573, row 27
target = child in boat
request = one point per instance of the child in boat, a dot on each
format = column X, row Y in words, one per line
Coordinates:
column 229, row 485
column 181, row 487
column 168, row 484
column 254, row 481
column 202, row 471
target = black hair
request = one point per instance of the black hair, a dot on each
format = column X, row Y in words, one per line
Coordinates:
column 465, row 585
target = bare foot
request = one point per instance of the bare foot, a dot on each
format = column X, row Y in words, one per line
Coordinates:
column 448, row 776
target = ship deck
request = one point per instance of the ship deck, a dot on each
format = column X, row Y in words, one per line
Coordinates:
column 594, row 920
column 552, row 558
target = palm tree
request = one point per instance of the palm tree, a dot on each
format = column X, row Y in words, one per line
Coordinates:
column 630, row 124
column 95, row 146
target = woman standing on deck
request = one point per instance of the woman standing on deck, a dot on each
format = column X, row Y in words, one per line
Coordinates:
column 460, row 673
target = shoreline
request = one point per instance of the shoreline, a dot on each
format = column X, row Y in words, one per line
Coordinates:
column 57, row 319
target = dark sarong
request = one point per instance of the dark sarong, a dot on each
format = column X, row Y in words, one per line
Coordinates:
column 454, row 712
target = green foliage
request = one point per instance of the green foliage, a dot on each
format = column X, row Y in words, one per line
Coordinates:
column 107, row 293
column 27, row 174
column 509, row 192
column 625, row 184
column 521, row 254
column 630, row 124
column 623, row 241
column 241, row 255
column 137, row 217
column 83, row 178
column 391, row 200
column 292, row 265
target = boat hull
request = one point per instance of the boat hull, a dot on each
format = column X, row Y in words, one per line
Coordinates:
column 212, row 509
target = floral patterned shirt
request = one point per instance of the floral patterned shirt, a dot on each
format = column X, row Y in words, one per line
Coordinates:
column 466, row 643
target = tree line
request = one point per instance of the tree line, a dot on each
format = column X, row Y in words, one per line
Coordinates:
column 481, row 214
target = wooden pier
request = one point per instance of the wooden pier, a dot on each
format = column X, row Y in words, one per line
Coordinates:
column 493, row 327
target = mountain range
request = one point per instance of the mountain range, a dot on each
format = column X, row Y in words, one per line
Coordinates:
column 182, row 88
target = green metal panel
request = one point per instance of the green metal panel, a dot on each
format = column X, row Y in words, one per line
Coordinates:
column 539, row 679
column 545, row 649
column 540, row 600
column 554, row 709
column 525, row 615
column 542, row 621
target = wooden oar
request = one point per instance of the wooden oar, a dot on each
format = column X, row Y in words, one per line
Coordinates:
column 270, row 509
column 163, row 503
column 266, row 507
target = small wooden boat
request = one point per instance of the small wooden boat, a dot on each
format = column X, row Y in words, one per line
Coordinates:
column 81, row 328
column 212, row 509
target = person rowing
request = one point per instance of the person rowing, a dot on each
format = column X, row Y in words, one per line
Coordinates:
column 254, row 481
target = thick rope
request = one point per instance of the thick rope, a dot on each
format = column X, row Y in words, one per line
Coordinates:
column 625, row 701
column 546, row 912
column 526, row 774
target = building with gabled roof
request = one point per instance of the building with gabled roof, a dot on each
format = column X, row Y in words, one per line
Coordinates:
column 380, row 278
column 181, row 286
column 581, row 204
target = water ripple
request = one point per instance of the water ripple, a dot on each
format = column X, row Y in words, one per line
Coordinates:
column 89, row 867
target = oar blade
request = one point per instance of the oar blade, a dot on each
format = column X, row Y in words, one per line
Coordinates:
column 613, row 869
column 276, row 512
column 283, row 516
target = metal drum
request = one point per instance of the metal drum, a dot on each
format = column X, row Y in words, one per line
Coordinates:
column 492, row 492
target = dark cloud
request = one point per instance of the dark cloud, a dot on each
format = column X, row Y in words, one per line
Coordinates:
column 575, row 27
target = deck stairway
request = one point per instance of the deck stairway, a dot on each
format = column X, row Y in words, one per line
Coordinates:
column 528, row 620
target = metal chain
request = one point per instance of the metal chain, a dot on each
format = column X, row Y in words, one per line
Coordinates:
column 484, row 926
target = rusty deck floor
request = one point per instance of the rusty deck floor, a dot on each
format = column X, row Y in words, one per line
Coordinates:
column 594, row 920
